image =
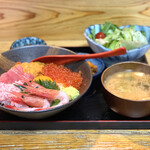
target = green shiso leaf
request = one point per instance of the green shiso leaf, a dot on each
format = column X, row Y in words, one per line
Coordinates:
column 55, row 102
column 48, row 84
column 20, row 87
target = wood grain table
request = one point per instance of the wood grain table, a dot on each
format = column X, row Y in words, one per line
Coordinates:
column 76, row 139
column 62, row 23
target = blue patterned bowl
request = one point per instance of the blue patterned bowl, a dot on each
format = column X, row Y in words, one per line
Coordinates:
column 131, row 55
column 27, row 41
column 99, row 63
column 97, row 76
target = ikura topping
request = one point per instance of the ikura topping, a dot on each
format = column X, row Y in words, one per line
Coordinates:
column 61, row 74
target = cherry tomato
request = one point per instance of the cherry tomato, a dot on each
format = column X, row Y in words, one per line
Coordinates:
column 100, row 35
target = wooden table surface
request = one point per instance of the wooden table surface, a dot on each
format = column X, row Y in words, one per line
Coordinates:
column 62, row 23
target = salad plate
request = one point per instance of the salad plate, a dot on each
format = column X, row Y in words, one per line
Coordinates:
column 131, row 55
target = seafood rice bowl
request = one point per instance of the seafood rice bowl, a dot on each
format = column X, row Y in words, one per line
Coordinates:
column 37, row 90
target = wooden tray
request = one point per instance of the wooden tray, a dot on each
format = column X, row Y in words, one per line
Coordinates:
column 90, row 112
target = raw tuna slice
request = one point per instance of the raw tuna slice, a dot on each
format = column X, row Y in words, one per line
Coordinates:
column 14, row 74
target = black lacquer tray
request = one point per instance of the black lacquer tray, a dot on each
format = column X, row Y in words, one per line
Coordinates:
column 90, row 112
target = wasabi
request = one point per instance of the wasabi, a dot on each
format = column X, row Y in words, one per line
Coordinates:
column 71, row 92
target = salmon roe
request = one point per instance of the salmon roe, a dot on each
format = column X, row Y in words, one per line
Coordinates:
column 61, row 74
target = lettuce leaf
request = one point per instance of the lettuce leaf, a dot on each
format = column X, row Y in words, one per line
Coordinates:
column 116, row 37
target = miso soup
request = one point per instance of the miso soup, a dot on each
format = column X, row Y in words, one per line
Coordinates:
column 129, row 85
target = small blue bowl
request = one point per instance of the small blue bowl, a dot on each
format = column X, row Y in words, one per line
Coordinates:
column 99, row 63
column 131, row 55
column 27, row 41
column 97, row 76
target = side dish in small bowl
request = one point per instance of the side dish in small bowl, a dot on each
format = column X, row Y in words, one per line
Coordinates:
column 126, row 88
column 108, row 36
column 97, row 66
column 37, row 90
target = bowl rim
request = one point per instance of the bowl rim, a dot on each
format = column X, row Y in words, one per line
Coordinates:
column 48, row 46
column 58, row 107
column 127, row 62
column 107, row 49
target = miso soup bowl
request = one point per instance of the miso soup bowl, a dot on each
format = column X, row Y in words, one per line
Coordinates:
column 126, row 107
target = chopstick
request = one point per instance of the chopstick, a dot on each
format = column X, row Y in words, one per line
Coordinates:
column 6, row 63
